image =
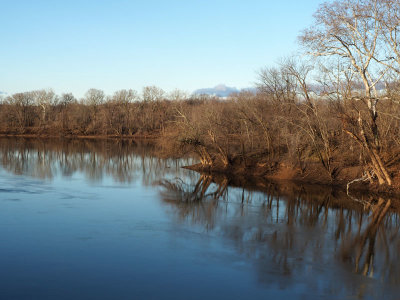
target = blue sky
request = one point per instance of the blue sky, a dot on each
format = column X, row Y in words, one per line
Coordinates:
column 72, row 46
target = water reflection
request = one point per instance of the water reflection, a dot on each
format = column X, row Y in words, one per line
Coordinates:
column 298, row 233
column 123, row 160
column 296, row 238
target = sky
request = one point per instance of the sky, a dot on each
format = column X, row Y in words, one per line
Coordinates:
column 72, row 46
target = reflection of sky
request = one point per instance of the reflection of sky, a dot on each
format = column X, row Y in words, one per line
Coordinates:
column 93, row 235
column 72, row 238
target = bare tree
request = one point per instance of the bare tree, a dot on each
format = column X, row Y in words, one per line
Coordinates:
column 125, row 96
column 44, row 99
column 94, row 98
column 21, row 110
column 177, row 95
column 348, row 30
column 152, row 93
column 299, row 71
column 336, row 81
column 67, row 98
column 388, row 18
column 276, row 83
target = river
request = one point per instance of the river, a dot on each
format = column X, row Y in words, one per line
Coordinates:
column 110, row 219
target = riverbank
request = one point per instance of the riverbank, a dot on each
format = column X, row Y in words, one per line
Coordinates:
column 80, row 136
column 349, row 180
column 248, row 134
column 253, row 169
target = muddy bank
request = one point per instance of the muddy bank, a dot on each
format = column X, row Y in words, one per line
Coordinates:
column 348, row 180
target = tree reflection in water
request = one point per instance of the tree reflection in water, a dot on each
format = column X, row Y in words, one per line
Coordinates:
column 292, row 234
column 123, row 160
column 290, row 230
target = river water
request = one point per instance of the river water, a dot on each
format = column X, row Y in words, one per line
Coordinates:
column 86, row 219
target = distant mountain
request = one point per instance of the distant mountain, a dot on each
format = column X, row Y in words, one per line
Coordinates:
column 220, row 91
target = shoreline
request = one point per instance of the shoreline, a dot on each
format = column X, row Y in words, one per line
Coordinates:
column 258, row 176
column 72, row 136
column 252, row 173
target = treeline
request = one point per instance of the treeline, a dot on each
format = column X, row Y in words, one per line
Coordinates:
column 330, row 115
column 264, row 132
column 125, row 113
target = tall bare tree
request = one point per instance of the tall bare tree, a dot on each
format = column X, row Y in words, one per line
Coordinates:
column 349, row 30
column 299, row 71
column 388, row 18
column 152, row 93
column 94, row 98
column 125, row 96
column 277, row 83
column 44, row 99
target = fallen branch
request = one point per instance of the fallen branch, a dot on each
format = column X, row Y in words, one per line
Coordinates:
column 366, row 176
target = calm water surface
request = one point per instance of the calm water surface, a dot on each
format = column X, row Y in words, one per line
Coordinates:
column 110, row 220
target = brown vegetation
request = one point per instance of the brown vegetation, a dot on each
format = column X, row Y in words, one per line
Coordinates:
column 249, row 134
column 334, row 120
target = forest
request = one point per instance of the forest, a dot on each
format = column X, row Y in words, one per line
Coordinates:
column 328, row 114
